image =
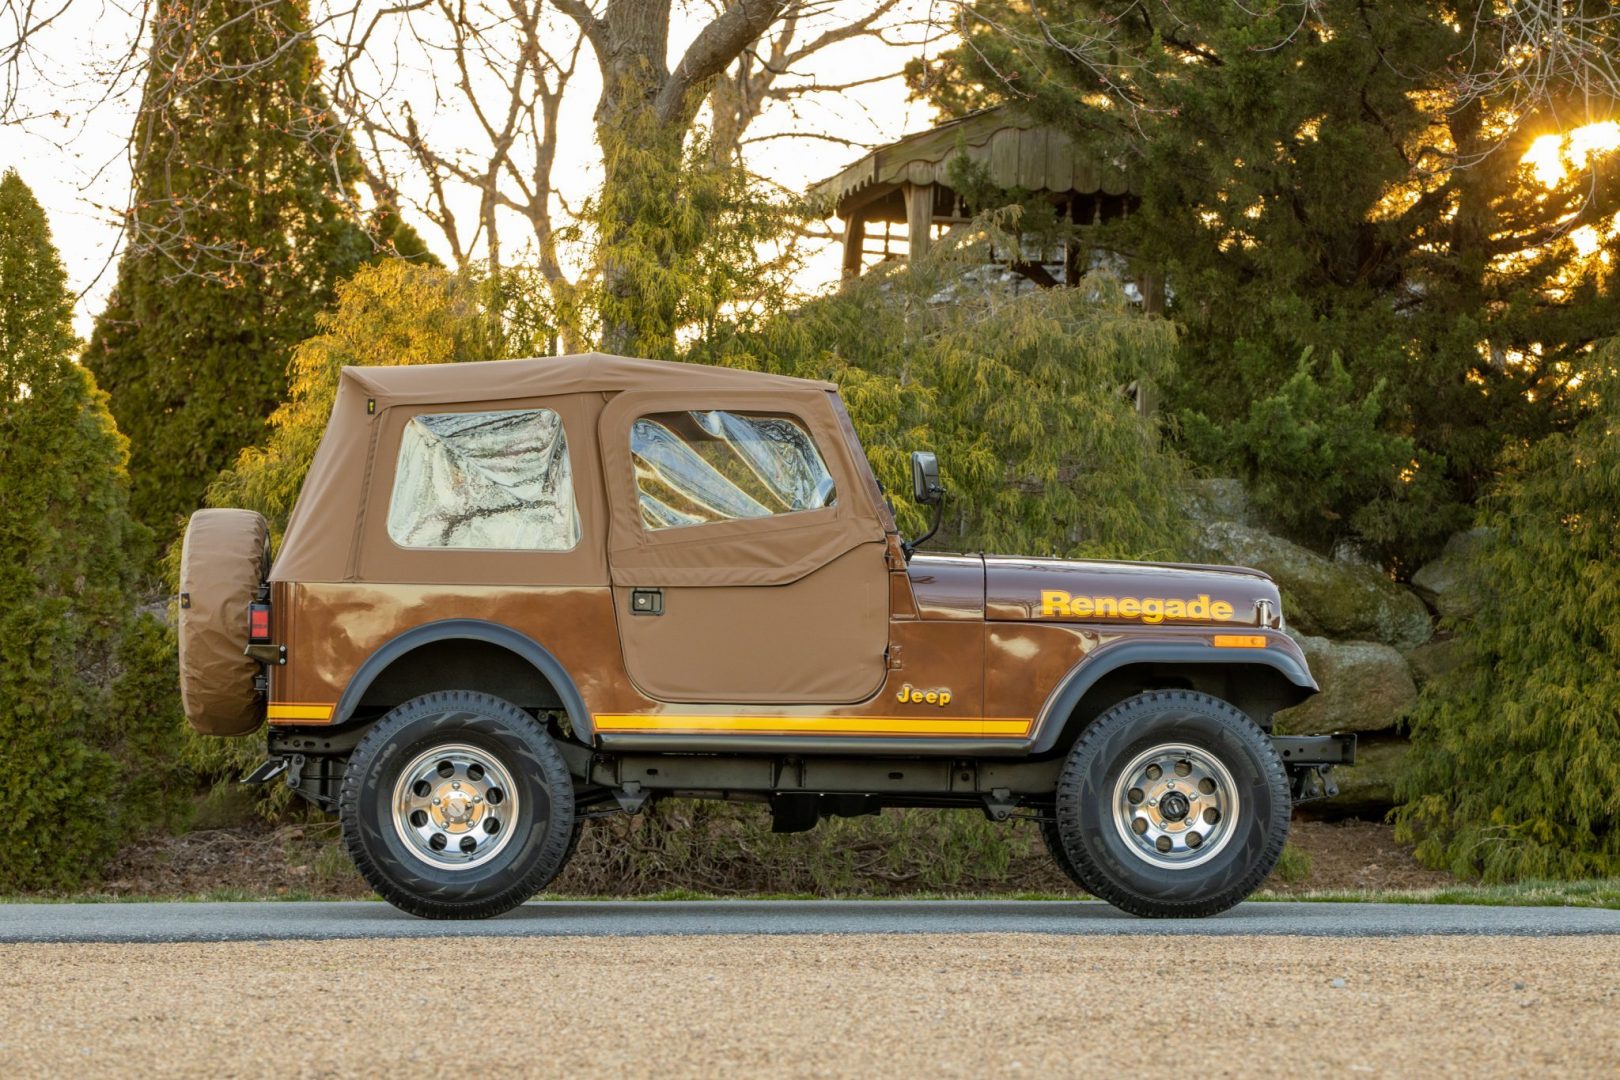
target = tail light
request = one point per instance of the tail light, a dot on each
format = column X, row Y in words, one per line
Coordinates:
column 258, row 624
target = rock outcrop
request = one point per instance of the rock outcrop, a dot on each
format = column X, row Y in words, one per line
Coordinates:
column 1323, row 597
column 1443, row 583
column 1429, row 662
column 1366, row 686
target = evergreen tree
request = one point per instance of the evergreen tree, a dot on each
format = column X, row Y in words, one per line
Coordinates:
column 68, row 545
column 1327, row 177
column 1516, row 754
column 242, row 222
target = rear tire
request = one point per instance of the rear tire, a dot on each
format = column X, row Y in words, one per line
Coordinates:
column 457, row 805
column 1173, row 804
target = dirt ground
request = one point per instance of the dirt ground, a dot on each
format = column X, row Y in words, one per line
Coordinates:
column 1355, row 855
column 867, row 1006
column 306, row 860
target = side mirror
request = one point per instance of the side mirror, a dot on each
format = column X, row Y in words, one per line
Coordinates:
column 926, row 489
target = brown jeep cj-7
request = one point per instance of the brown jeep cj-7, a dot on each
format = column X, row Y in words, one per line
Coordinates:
column 518, row 594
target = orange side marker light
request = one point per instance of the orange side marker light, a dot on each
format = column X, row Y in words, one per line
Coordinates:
column 1240, row 641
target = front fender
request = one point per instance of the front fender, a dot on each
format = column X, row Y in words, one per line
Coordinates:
column 1280, row 655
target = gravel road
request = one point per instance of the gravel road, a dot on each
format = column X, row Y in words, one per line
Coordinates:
column 318, row 921
column 871, row 1006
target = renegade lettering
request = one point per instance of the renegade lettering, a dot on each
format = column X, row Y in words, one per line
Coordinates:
column 1149, row 609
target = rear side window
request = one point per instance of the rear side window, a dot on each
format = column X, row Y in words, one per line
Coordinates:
column 693, row 468
column 491, row 480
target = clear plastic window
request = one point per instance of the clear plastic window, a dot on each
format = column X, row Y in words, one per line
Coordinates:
column 493, row 480
column 696, row 467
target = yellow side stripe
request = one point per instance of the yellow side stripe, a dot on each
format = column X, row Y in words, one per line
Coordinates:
column 296, row 711
column 815, row 725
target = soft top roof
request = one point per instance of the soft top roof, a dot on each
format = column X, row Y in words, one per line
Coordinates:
column 323, row 538
column 504, row 380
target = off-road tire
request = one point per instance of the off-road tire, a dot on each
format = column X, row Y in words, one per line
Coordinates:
column 1085, row 800
column 544, row 833
column 1054, row 847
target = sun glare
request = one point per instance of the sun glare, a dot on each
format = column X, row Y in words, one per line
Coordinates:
column 1552, row 157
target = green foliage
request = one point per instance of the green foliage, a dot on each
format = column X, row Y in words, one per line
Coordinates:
column 1319, row 463
column 1516, row 755
column 243, row 220
column 1021, row 396
column 1308, row 179
column 685, row 246
column 66, row 541
column 144, row 729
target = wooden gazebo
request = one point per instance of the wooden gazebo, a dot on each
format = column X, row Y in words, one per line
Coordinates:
column 897, row 199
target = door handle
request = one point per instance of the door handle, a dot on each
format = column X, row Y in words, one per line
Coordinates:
column 646, row 601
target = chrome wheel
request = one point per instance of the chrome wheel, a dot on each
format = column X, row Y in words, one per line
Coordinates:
column 1175, row 806
column 454, row 806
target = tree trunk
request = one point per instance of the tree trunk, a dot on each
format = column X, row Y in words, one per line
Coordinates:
column 645, row 112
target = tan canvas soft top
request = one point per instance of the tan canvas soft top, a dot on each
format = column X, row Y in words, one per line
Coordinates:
column 511, row 380
column 323, row 537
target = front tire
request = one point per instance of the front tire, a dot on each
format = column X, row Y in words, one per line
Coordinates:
column 1173, row 804
column 457, row 805
column 1054, row 847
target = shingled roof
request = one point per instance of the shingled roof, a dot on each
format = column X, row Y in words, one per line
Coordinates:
column 1019, row 151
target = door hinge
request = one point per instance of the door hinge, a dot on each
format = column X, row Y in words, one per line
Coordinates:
column 892, row 653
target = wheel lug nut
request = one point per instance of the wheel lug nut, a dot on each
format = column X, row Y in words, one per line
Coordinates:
column 435, row 800
column 457, row 784
column 1151, row 802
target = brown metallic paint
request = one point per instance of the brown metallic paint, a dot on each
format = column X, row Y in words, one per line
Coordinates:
column 961, row 622
column 1013, row 588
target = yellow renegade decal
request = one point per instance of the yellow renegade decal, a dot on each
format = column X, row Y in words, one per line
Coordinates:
column 1150, row 609
column 910, row 695
column 1009, row 727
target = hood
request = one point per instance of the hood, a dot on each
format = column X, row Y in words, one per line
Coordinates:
column 1153, row 594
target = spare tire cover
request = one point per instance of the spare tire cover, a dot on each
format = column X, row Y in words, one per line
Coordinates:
column 226, row 555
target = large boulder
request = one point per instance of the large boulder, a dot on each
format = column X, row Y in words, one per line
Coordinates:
column 1367, row 788
column 1366, row 686
column 1444, row 581
column 1325, row 597
column 1430, row 661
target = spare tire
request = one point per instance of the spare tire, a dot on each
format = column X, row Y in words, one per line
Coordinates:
column 223, row 561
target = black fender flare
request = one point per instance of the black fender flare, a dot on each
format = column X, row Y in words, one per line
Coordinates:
column 1086, row 672
column 470, row 630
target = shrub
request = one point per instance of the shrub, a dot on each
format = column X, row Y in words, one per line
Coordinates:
column 1515, row 767
column 1321, row 463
